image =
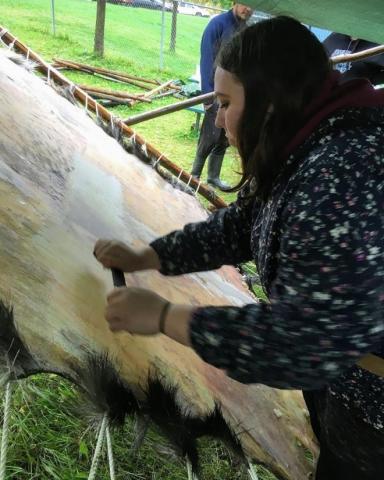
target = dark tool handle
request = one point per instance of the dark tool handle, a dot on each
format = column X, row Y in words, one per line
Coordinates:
column 118, row 277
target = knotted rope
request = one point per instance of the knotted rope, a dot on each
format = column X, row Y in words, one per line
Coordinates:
column 5, row 430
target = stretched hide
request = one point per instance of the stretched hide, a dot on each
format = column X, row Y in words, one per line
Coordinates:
column 63, row 184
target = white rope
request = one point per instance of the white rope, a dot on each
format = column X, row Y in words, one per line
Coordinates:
column 191, row 475
column 4, row 436
column 198, row 187
column 144, row 149
column 252, row 472
column 111, row 460
column 11, row 45
column 157, row 161
column 97, row 109
column 189, row 181
column 103, row 432
column 115, row 126
column 179, row 176
column 96, row 455
column 49, row 75
column 86, row 103
column 28, row 53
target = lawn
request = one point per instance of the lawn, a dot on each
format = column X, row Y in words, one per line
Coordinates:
column 50, row 440
column 46, row 440
column 132, row 44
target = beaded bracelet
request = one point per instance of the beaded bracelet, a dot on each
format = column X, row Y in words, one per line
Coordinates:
column 163, row 316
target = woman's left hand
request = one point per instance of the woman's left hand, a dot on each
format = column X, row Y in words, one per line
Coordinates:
column 135, row 310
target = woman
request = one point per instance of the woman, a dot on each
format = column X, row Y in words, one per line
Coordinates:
column 309, row 212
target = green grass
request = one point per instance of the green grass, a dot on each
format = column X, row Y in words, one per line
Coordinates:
column 132, row 35
column 47, row 441
column 132, row 44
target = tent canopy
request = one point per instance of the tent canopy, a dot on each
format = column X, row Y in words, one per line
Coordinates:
column 358, row 18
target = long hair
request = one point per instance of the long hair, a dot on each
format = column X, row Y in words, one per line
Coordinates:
column 279, row 63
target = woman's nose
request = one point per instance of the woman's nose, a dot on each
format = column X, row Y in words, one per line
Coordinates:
column 219, row 122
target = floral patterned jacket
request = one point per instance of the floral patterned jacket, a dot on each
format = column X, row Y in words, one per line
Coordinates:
column 318, row 244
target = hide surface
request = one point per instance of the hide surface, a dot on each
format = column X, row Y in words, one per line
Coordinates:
column 63, row 184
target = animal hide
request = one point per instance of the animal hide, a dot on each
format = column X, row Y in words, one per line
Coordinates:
column 63, row 184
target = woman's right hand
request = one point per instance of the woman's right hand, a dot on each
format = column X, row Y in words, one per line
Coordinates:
column 116, row 254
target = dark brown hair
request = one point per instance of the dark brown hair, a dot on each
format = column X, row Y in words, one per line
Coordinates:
column 281, row 63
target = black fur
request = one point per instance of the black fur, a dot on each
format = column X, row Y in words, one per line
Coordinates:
column 106, row 390
column 16, row 355
column 215, row 426
column 175, row 424
column 181, row 428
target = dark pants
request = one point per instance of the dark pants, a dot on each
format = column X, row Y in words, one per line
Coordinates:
column 350, row 449
column 212, row 140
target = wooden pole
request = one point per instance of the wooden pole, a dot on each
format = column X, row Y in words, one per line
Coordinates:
column 161, row 62
column 98, row 48
column 104, row 96
column 174, row 107
column 164, row 94
column 172, row 44
column 60, row 79
column 107, row 76
column 115, row 93
column 158, row 89
column 53, row 17
column 353, row 57
column 106, row 71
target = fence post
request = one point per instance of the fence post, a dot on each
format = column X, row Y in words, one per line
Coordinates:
column 162, row 37
column 98, row 48
column 172, row 45
column 53, row 17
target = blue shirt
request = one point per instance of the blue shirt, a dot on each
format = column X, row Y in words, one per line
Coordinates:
column 218, row 31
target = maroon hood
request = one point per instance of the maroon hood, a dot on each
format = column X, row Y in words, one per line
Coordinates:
column 334, row 96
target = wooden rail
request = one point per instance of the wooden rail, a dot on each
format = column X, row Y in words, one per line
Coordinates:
column 174, row 107
column 353, row 57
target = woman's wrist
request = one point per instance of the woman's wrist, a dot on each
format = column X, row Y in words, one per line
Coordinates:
column 176, row 323
column 149, row 260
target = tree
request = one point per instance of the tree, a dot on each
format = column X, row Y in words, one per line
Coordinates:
column 98, row 48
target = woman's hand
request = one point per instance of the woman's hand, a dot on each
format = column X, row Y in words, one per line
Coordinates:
column 135, row 310
column 138, row 311
column 115, row 254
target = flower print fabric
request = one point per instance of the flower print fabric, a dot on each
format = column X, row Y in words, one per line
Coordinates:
column 318, row 245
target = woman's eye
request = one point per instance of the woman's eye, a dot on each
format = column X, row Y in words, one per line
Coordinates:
column 223, row 105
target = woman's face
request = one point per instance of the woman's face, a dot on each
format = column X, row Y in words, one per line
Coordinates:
column 230, row 98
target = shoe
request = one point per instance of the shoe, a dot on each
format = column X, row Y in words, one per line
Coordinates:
column 214, row 168
column 220, row 184
column 197, row 167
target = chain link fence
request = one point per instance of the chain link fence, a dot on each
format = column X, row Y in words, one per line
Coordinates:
column 148, row 44
column 173, row 31
column 156, row 35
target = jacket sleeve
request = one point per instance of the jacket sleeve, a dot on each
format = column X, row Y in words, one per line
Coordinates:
column 326, row 303
column 223, row 239
column 208, row 51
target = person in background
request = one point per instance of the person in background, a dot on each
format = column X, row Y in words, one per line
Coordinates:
column 371, row 67
column 212, row 142
column 310, row 214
